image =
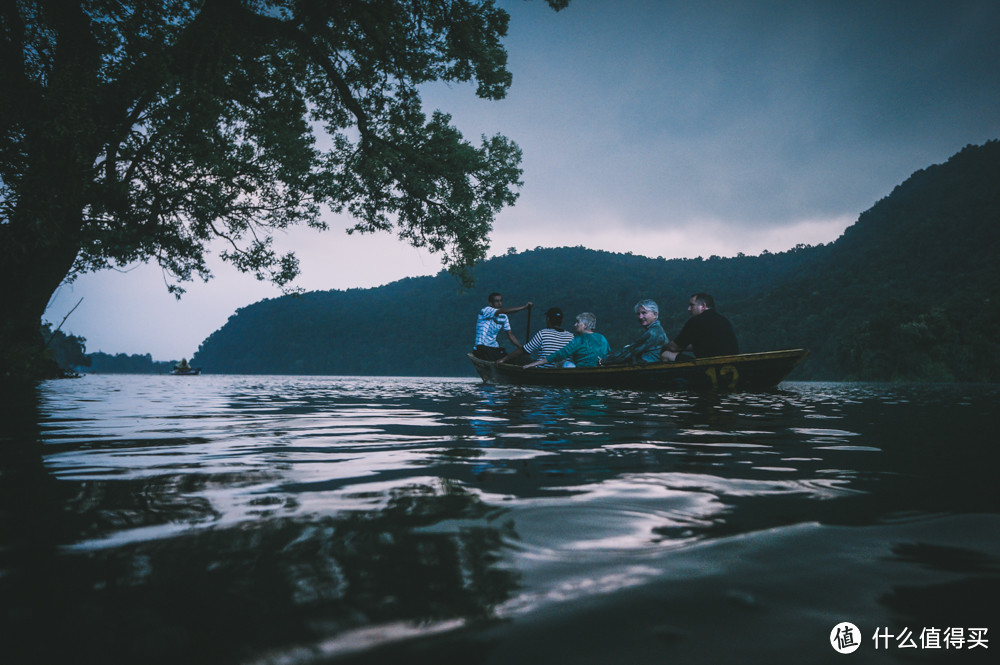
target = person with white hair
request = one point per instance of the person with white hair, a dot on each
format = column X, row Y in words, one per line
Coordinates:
column 650, row 344
column 586, row 349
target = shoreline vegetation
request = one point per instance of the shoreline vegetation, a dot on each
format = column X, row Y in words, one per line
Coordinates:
column 910, row 292
column 143, row 134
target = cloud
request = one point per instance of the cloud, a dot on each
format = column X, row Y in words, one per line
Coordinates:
column 674, row 129
column 757, row 113
column 704, row 237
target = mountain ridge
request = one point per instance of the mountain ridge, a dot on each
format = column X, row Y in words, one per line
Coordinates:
column 876, row 304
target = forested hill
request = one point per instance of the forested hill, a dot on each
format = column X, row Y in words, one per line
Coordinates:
column 425, row 325
column 908, row 292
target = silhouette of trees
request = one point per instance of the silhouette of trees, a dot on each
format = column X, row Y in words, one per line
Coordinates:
column 910, row 292
column 134, row 131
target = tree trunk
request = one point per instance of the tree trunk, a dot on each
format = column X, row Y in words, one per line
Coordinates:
column 61, row 138
column 38, row 246
column 30, row 277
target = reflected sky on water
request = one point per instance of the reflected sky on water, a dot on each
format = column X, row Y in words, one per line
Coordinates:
column 308, row 519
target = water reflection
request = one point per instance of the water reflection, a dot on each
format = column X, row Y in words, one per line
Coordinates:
column 234, row 519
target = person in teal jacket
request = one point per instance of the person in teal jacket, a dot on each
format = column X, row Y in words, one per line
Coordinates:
column 586, row 349
column 647, row 348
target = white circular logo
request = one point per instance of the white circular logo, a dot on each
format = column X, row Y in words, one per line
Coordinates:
column 845, row 637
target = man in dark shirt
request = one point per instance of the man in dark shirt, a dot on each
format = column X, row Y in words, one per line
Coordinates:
column 707, row 332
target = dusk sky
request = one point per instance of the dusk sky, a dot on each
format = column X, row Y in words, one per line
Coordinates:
column 672, row 129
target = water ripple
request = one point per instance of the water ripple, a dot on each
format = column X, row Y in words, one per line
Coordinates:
column 338, row 513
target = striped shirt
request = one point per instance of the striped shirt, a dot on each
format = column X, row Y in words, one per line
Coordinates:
column 546, row 342
column 488, row 326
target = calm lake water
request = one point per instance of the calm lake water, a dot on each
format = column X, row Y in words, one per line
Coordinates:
column 301, row 520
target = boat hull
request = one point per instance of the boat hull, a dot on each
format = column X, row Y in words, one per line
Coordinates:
column 746, row 371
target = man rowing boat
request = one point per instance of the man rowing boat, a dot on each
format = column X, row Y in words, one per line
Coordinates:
column 491, row 322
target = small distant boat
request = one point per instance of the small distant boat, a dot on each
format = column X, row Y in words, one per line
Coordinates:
column 184, row 369
column 746, row 371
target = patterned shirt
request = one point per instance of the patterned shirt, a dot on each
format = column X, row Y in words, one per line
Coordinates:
column 547, row 341
column 488, row 326
column 646, row 349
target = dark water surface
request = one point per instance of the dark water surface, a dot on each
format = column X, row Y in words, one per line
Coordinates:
column 226, row 519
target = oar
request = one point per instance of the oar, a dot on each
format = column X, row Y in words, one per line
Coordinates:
column 527, row 333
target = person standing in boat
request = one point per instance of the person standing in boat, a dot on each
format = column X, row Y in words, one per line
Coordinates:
column 546, row 341
column 707, row 333
column 647, row 348
column 492, row 320
column 585, row 350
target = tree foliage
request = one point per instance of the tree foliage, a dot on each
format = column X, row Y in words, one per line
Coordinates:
column 134, row 131
column 359, row 331
column 924, row 256
column 121, row 363
column 910, row 292
column 66, row 350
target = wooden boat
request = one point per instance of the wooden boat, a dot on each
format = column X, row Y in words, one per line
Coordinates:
column 184, row 369
column 746, row 371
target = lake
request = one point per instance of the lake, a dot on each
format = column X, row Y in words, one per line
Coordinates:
column 302, row 520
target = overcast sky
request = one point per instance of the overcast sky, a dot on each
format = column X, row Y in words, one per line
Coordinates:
column 673, row 129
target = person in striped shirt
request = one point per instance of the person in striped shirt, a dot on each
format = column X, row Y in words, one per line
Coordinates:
column 586, row 349
column 491, row 322
column 546, row 341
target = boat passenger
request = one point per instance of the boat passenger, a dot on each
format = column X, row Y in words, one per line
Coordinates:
column 650, row 344
column 548, row 340
column 586, row 349
column 707, row 333
column 492, row 320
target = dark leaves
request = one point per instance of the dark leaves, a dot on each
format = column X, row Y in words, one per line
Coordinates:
column 195, row 122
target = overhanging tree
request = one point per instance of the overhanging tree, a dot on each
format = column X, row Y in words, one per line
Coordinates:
column 143, row 131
